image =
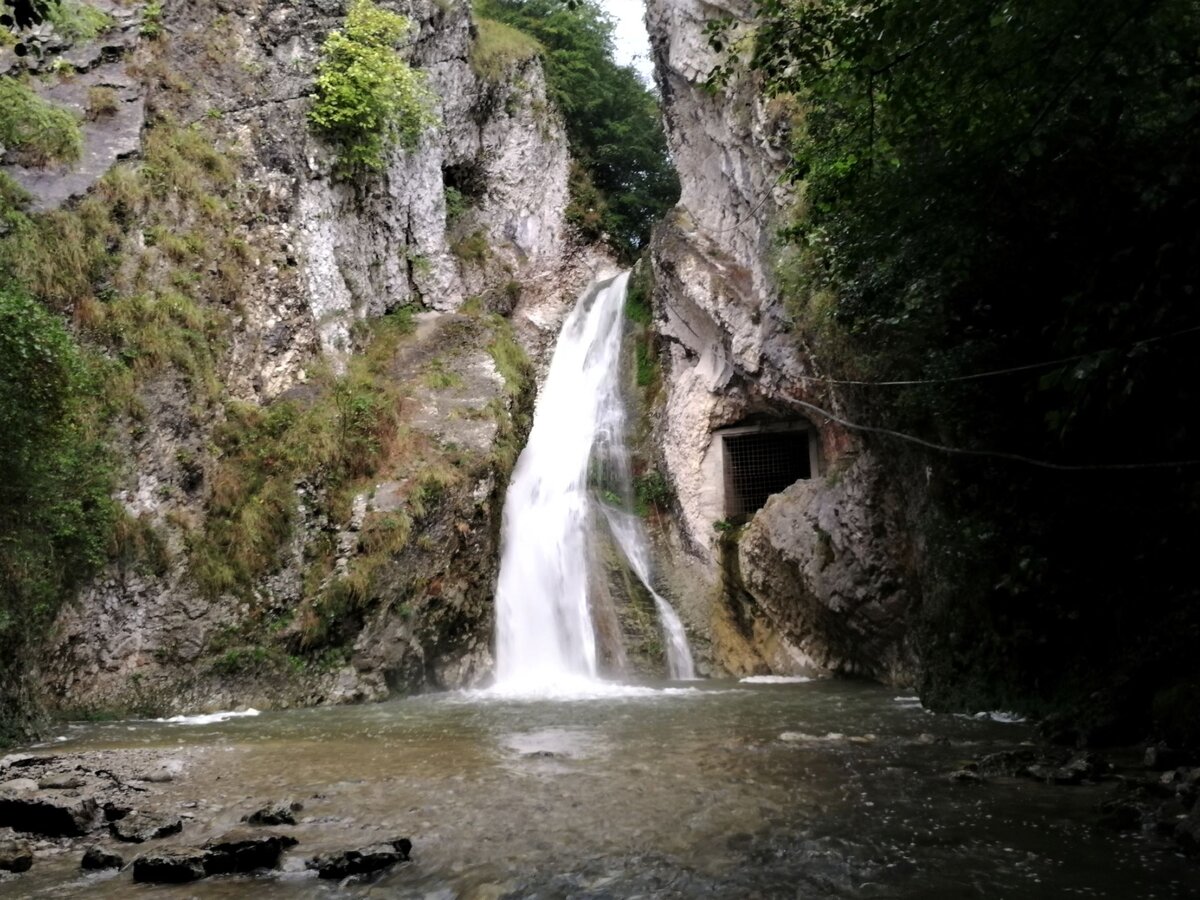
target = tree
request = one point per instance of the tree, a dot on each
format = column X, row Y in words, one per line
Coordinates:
column 626, row 181
column 988, row 185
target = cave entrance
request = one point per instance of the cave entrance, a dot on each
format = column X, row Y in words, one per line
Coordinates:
column 759, row 461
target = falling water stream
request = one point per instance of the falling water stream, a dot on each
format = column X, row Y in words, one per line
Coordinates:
column 545, row 638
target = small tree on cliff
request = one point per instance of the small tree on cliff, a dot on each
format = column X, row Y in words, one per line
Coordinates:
column 368, row 100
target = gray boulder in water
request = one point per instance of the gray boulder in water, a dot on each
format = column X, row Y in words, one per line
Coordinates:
column 363, row 861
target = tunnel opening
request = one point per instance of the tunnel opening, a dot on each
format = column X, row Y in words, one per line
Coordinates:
column 759, row 461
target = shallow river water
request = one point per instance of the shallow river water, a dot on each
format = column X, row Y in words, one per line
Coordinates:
column 824, row 789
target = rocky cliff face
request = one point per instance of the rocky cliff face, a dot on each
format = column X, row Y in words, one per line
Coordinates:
column 813, row 580
column 321, row 256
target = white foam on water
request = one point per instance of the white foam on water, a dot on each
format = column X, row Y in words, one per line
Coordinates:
column 208, row 718
column 571, row 689
column 775, row 679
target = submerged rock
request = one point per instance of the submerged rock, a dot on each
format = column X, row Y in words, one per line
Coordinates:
column 363, row 861
column 275, row 814
column 138, row 827
column 1078, row 769
column 100, row 858
column 177, row 865
column 53, row 817
column 15, row 856
column 244, row 850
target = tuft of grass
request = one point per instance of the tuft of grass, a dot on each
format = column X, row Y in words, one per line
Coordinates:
column 472, row 248
column 78, row 21
column 102, row 102
column 498, row 48
column 36, row 131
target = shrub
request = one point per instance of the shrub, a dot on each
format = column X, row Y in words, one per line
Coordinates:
column 368, row 100
column 38, row 131
column 56, row 513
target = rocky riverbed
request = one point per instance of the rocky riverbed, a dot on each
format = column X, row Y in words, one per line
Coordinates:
column 124, row 811
column 829, row 788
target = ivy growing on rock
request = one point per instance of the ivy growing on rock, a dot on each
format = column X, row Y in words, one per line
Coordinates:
column 367, row 99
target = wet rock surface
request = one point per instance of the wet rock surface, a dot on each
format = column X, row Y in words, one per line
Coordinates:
column 48, row 815
column 174, row 865
column 101, row 858
column 275, row 814
column 139, row 827
column 363, row 861
column 245, row 850
column 15, row 855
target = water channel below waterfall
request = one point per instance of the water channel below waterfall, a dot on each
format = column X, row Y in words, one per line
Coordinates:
column 820, row 790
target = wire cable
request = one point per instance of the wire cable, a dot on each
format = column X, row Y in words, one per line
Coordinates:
column 1029, row 367
column 994, row 454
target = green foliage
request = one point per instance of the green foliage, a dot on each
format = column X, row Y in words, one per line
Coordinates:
column 77, row 20
column 988, row 184
column 498, row 48
column 367, row 99
column 456, row 205
column 341, row 435
column 56, row 515
column 36, row 131
column 152, row 15
column 652, row 490
column 626, row 182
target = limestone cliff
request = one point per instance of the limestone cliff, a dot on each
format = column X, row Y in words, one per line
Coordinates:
column 812, row 581
column 384, row 584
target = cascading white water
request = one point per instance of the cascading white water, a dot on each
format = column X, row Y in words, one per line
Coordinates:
column 544, row 635
column 627, row 531
column 545, row 641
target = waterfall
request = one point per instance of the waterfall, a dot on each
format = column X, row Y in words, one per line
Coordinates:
column 545, row 640
column 627, row 531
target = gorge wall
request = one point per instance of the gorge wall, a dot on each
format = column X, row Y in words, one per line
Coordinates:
column 814, row 580
column 316, row 514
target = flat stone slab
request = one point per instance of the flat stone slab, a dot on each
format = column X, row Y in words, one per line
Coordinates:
column 139, row 827
column 50, row 816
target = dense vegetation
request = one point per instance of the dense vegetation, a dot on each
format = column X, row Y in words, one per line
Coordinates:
column 367, row 99
column 624, row 181
column 56, row 515
column 990, row 185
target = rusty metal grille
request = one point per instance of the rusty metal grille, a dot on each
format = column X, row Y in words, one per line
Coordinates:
column 760, row 464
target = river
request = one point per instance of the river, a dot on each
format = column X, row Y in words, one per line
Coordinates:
column 714, row 789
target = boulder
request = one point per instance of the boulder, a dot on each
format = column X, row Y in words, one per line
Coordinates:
column 99, row 858
column 1007, row 763
column 139, row 827
column 244, row 850
column 63, row 781
column 1160, row 757
column 275, row 814
column 363, row 861
column 50, row 816
column 15, row 856
column 176, row 865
